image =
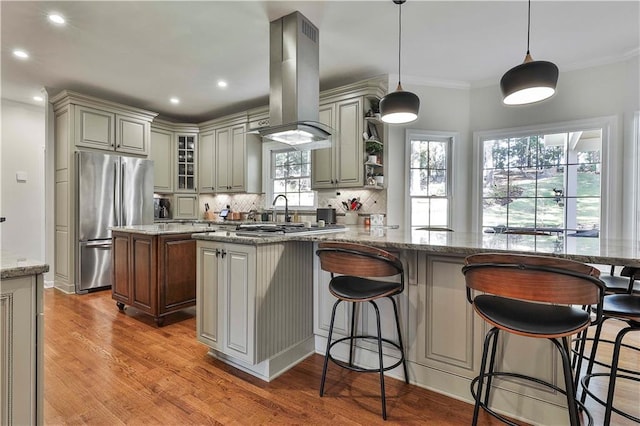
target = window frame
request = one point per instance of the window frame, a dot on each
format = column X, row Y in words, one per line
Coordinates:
column 450, row 138
column 268, row 148
column 609, row 200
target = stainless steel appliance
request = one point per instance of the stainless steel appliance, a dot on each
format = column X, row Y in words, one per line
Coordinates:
column 161, row 208
column 112, row 191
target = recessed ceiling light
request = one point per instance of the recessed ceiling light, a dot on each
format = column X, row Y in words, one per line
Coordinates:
column 222, row 83
column 19, row 53
column 174, row 100
column 38, row 98
column 56, row 18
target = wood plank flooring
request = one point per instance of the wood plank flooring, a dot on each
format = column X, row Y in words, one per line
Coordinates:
column 103, row 367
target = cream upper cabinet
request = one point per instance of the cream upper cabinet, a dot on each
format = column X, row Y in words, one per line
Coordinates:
column 322, row 174
column 186, row 162
column 112, row 129
column 185, row 206
column 206, row 162
column 340, row 165
column 162, row 156
column 230, row 156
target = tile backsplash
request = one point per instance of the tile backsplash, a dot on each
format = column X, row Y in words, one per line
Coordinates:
column 373, row 201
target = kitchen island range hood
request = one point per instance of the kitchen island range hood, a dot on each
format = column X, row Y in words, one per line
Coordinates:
column 294, row 85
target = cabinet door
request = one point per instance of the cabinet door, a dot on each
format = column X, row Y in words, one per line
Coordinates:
column 208, row 291
column 322, row 174
column 239, row 296
column 18, row 350
column 120, row 261
column 223, row 146
column 177, row 272
column 206, row 162
column 186, row 162
column 94, row 128
column 132, row 135
column 186, row 206
column 162, row 156
column 442, row 328
column 349, row 152
column 238, row 159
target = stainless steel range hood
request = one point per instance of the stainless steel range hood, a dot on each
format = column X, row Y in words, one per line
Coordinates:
column 294, row 93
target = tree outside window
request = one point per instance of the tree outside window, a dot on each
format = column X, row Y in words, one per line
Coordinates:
column 543, row 182
column 429, row 181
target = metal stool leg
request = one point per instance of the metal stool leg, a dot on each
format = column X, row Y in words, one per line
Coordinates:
column 404, row 360
column 614, row 371
column 487, row 340
column 568, row 381
column 353, row 327
column 592, row 358
column 326, row 355
column 492, row 363
column 384, row 399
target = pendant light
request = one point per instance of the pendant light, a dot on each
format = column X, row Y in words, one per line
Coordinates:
column 531, row 81
column 400, row 106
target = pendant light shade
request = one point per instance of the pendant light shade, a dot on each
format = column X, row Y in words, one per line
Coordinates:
column 532, row 81
column 400, row 106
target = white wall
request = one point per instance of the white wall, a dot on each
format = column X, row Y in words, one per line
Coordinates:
column 22, row 203
column 607, row 90
column 441, row 109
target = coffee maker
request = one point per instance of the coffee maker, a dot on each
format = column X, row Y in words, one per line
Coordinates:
column 161, row 208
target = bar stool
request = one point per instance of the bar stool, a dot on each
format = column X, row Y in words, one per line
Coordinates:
column 352, row 268
column 532, row 296
column 623, row 307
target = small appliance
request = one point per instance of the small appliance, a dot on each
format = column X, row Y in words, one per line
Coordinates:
column 161, row 208
column 328, row 215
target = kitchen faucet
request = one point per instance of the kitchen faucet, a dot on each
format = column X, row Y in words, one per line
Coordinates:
column 286, row 208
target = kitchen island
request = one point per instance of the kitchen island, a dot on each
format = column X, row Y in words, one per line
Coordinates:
column 154, row 267
column 21, row 339
column 443, row 335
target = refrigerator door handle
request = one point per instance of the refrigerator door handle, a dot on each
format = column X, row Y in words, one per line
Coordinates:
column 99, row 244
column 123, row 211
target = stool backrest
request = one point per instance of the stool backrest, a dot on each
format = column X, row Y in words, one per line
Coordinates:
column 533, row 278
column 358, row 260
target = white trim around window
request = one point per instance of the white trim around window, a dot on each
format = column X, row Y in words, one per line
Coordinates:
column 611, row 199
column 413, row 134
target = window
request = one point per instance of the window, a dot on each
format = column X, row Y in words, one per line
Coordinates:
column 429, row 177
column 291, row 176
column 543, row 182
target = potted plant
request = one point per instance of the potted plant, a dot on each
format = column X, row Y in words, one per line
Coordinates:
column 373, row 148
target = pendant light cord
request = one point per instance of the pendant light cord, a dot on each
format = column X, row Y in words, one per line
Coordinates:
column 400, row 39
column 528, row 26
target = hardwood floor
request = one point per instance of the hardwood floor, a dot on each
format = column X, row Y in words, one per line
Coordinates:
column 103, row 367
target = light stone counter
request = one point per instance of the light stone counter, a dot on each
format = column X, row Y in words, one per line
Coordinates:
column 167, row 228
column 581, row 249
column 13, row 266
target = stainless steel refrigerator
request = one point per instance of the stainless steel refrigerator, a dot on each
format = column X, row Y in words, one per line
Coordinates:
column 112, row 191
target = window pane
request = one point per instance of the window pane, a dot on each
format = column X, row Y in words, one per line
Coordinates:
column 550, row 181
column 439, row 212
column 437, row 183
column 420, row 211
column 291, row 172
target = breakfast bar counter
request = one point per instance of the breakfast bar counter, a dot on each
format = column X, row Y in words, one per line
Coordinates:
column 581, row 249
column 443, row 334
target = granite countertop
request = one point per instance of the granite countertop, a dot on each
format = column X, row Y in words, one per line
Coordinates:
column 13, row 266
column 581, row 249
column 167, row 228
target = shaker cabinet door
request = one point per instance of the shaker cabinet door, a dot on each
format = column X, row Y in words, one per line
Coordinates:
column 132, row 135
column 94, row 128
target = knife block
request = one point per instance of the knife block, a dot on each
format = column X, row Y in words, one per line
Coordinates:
column 209, row 215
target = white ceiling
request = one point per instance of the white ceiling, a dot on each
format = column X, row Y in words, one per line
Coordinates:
column 142, row 53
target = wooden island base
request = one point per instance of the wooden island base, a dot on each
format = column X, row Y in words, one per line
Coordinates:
column 154, row 273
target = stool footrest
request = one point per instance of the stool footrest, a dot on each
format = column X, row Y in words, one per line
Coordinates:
column 474, row 382
column 346, row 365
column 585, row 386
